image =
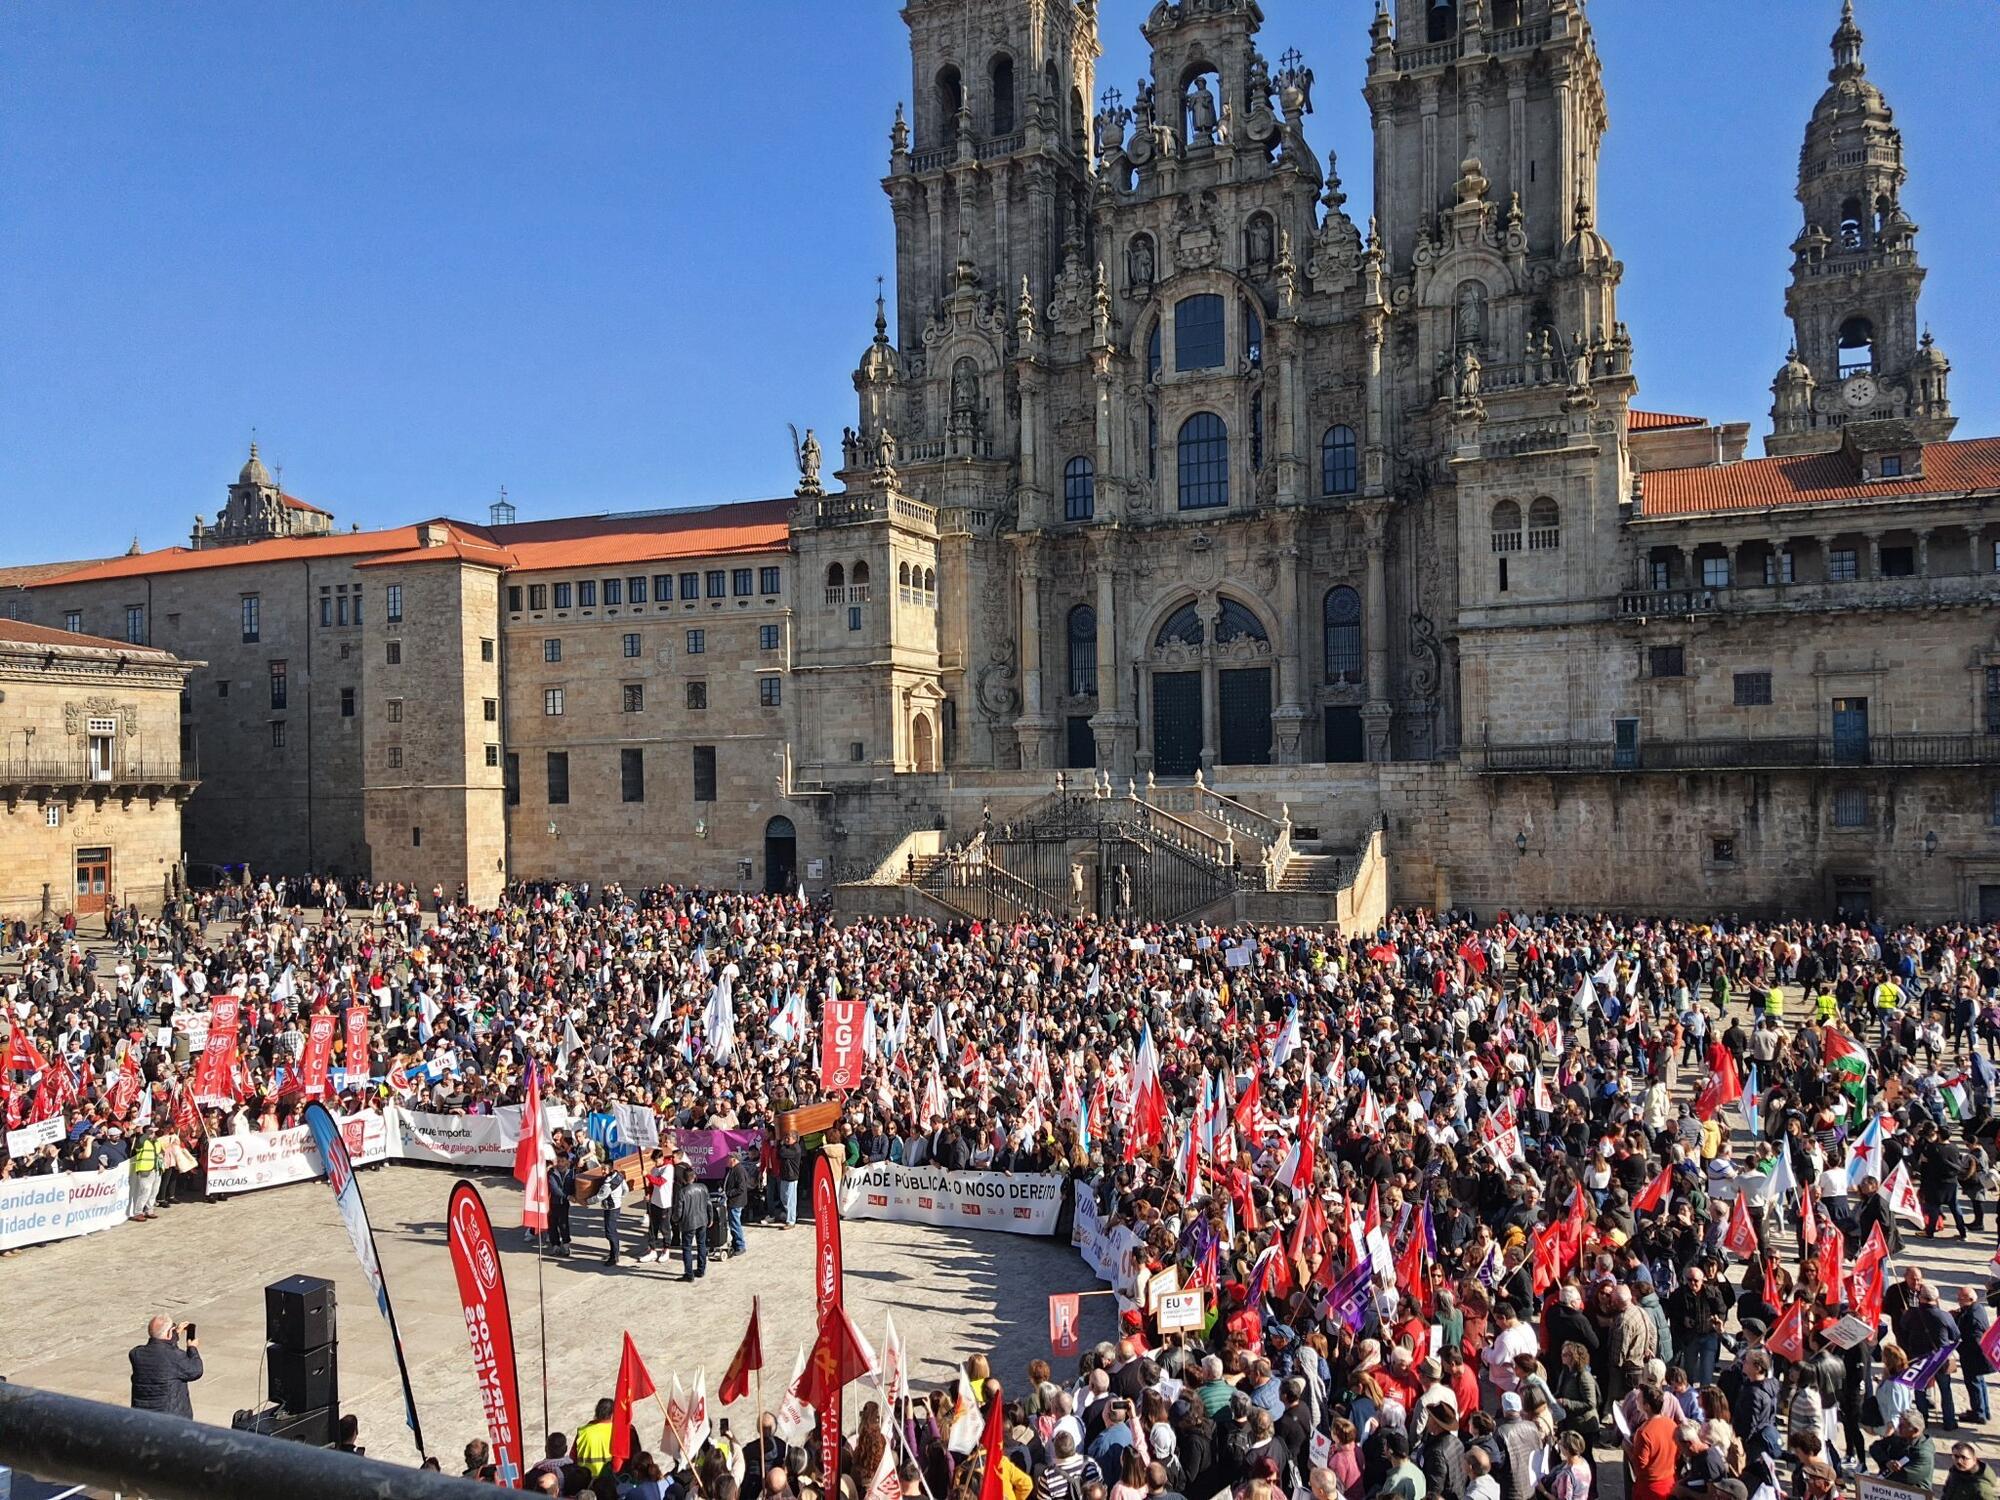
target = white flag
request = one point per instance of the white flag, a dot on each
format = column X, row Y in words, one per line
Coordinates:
column 966, row 1427
column 794, row 1420
column 895, row 1371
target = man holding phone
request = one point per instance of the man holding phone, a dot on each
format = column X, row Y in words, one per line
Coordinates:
column 162, row 1370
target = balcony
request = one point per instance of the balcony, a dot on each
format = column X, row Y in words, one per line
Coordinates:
column 42, row 778
column 1936, row 591
column 1784, row 753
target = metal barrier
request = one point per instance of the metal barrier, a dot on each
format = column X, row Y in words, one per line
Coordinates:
column 170, row 1458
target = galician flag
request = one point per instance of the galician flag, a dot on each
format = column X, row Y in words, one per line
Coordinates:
column 1864, row 1157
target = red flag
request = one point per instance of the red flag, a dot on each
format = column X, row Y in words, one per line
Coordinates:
column 1149, row 1100
column 1654, row 1194
column 318, row 1060
column 839, row 1355
column 124, row 1095
column 482, row 1291
column 1788, row 1339
column 187, row 1118
column 1547, row 1258
column 1410, row 1267
column 1808, row 1223
column 1372, row 1219
column 1723, row 1086
column 531, row 1151
column 1866, row 1280
column 1248, row 1115
column 21, row 1054
column 354, row 1056
column 1740, row 1238
column 1065, row 1334
column 1831, row 1276
column 749, row 1356
column 989, row 1477
column 634, row 1384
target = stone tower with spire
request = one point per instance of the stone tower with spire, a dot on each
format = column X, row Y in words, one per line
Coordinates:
column 1859, row 354
column 258, row 510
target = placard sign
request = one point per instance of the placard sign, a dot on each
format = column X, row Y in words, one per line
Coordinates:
column 1182, row 1312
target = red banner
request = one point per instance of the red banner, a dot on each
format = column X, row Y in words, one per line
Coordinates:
column 211, row 1078
column 355, row 1055
column 482, row 1290
column 826, row 1287
column 318, row 1057
column 840, row 1054
column 1064, row 1335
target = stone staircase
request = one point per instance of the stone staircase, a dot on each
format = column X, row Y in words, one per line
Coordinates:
column 1316, row 872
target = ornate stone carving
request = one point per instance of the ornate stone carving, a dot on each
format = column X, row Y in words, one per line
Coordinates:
column 76, row 716
column 1429, row 669
column 1197, row 241
column 1070, row 307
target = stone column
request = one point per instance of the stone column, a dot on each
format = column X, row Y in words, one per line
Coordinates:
column 1735, row 564
column 1689, row 577
column 1034, row 727
column 1113, row 727
column 1211, row 740
column 1923, row 554
column 1377, row 712
column 1874, row 554
column 1288, row 717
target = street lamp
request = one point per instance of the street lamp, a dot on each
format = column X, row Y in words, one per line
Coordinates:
column 1930, row 842
column 1521, row 842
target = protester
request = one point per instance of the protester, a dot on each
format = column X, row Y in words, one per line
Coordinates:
column 162, row 1370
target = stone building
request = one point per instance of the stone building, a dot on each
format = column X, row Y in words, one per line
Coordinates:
column 93, row 773
column 1327, row 549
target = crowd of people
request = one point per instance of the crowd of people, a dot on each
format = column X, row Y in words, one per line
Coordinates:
column 1479, row 1206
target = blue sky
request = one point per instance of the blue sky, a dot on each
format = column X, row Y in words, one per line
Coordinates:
column 602, row 252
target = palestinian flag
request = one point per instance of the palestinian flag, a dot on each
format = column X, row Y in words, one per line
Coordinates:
column 1848, row 1061
column 1957, row 1096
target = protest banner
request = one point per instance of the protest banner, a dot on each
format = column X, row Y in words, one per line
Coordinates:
column 244, row 1163
column 34, row 1210
column 707, row 1151
column 841, row 1059
column 1018, row 1203
column 482, row 1294
column 31, row 1138
column 1182, row 1312
column 638, row 1127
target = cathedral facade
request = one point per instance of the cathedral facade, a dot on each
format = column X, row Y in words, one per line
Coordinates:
column 1323, row 538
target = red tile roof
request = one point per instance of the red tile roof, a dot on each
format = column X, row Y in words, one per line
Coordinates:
column 297, row 504
column 575, row 542
column 1652, row 421
column 592, row 541
column 26, row 573
column 21, row 633
column 280, row 549
column 1816, row 479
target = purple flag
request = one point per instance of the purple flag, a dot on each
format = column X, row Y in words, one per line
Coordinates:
column 1348, row 1300
column 1920, row 1375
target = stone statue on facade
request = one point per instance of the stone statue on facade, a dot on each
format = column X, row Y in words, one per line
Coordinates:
column 1201, row 105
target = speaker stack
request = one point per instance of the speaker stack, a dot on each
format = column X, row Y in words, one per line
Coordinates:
column 301, row 1356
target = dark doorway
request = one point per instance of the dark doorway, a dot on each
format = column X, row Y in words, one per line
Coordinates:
column 1344, row 742
column 1850, row 731
column 781, row 855
column 1245, row 702
column 1082, row 743
column 1176, row 723
column 1854, row 899
column 1989, row 905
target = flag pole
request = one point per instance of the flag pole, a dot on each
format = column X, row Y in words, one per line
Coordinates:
column 668, row 1417
column 542, row 1321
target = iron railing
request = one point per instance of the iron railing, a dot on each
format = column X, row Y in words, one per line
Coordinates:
column 1796, row 752
column 77, row 770
column 68, row 1439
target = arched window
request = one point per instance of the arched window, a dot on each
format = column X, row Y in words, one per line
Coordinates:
column 1857, row 347
column 1083, row 652
column 1153, row 353
column 1339, row 472
column 836, row 583
column 1441, row 24
column 1253, row 337
column 903, row 574
column 930, row 587
column 1507, row 527
column 859, row 576
column 1003, row 95
column 1341, row 617
column 950, row 97
column 1544, row 525
column 1204, row 462
column 1233, row 620
column 1079, row 489
column 1850, row 224
column 1183, row 625
column 1198, row 332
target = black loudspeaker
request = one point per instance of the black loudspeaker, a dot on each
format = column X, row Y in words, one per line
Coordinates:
column 302, row 1380
column 318, row 1427
column 298, row 1312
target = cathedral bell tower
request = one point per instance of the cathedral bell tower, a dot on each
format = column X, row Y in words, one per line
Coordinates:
column 1859, row 353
